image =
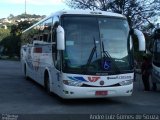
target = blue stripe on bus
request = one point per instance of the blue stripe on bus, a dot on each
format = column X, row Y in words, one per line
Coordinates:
column 78, row 79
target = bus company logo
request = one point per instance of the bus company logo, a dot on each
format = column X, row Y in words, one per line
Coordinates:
column 93, row 79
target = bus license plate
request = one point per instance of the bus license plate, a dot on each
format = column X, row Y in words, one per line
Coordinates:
column 99, row 93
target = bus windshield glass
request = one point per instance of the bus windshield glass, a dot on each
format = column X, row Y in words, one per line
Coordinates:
column 157, row 51
column 88, row 39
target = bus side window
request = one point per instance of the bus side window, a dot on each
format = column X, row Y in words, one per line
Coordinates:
column 45, row 37
column 41, row 38
column 54, row 40
column 41, row 29
column 47, row 30
column 56, row 54
column 54, row 36
column 54, row 50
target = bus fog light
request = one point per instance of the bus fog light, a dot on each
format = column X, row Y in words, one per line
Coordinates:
column 72, row 83
column 127, row 91
column 126, row 82
column 66, row 92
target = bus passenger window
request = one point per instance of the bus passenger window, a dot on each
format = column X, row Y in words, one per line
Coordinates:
column 47, row 30
column 54, row 35
column 45, row 37
column 54, row 40
column 41, row 38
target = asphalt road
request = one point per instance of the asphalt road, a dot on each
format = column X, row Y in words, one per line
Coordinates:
column 19, row 96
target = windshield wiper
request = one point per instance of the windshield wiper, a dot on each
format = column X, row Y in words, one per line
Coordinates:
column 92, row 52
column 107, row 55
column 94, row 49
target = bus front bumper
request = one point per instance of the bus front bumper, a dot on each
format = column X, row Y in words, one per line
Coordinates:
column 95, row 92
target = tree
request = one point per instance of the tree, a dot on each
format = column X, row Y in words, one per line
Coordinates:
column 4, row 33
column 17, row 29
column 11, row 45
column 10, row 16
column 12, row 42
column 136, row 11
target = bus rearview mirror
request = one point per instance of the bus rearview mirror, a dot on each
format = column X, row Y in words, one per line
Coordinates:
column 60, row 38
column 141, row 39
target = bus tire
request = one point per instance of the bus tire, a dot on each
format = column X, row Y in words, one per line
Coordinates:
column 25, row 72
column 47, row 83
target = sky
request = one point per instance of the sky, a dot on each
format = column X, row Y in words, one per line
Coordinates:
column 38, row 7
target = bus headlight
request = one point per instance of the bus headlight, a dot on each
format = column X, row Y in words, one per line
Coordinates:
column 126, row 82
column 72, row 83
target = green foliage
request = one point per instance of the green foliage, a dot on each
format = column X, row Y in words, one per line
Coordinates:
column 17, row 29
column 27, row 16
column 137, row 11
column 11, row 46
column 4, row 33
column 10, row 39
column 12, row 42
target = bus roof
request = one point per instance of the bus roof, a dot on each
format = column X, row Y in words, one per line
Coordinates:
column 88, row 12
column 80, row 12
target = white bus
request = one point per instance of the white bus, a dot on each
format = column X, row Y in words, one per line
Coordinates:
column 81, row 54
column 156, row 58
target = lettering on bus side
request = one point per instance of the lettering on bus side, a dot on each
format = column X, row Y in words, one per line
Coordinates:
column 119, row 77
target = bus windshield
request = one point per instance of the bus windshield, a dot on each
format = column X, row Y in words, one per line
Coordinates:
column 156, row 55
column 88, row 39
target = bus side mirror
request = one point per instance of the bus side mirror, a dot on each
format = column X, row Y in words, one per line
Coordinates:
column 60, row 38
column 141, row 39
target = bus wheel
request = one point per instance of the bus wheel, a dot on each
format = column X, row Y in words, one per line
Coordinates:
column 25, row 72
column 47, row 83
